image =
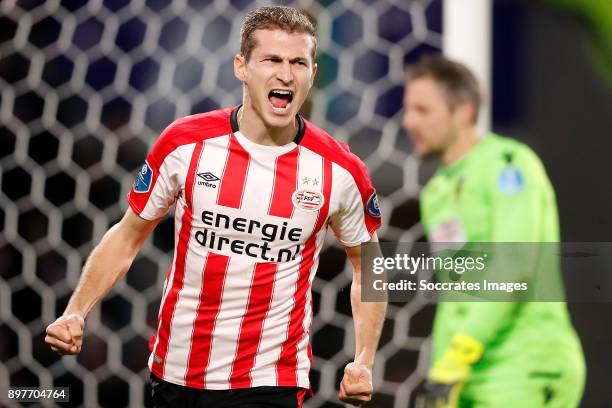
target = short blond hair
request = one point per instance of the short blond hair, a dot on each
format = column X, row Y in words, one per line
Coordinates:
column 288, row 19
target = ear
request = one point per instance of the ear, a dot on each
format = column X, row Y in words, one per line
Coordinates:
column 465, row 114
column 240, row 67
column 314, row 72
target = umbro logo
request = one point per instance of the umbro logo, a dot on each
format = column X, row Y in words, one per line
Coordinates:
column 208, row 179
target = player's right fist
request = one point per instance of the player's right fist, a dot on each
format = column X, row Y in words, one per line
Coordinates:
column 65, row 335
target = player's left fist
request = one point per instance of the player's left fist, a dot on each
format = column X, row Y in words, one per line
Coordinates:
column 65, row 335
column 356, row 386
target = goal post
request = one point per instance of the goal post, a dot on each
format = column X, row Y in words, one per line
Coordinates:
column 467, row 39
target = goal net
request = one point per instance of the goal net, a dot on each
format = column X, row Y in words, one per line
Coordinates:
column 85, row 89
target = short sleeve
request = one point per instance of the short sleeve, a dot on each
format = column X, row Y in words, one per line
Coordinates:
column 358, row 215
column 158, row 181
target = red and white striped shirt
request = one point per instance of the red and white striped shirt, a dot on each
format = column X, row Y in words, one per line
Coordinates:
column 250, row 221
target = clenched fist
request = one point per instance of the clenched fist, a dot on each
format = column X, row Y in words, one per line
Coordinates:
column 65, row 335
column 356, row 386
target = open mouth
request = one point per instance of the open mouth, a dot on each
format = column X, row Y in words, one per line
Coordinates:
column 280, row 98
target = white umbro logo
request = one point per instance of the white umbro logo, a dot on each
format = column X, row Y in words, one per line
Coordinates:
column 207, row 179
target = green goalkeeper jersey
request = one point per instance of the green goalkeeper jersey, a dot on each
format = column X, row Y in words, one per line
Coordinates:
column 499, row 192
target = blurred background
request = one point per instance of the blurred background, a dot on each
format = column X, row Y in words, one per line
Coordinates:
column 87, row 86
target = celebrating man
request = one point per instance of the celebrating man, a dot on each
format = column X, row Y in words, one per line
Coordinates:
column 255, row 188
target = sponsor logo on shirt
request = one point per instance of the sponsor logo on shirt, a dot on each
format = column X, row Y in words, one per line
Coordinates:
column 450, row 231
column 207, row 179
column 307, row 199
column 372, row 206
column 142, row 181
column 269, row 242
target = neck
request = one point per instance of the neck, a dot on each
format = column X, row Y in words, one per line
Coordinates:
column 464, row 142
column 252, row 126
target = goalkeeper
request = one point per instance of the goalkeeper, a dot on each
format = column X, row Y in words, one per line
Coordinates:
column 493, row 189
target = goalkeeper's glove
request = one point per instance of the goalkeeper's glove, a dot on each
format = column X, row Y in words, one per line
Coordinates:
column 448, row 375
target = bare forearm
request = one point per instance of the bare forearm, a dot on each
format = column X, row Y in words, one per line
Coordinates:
column 368, row 318
column 107, row 264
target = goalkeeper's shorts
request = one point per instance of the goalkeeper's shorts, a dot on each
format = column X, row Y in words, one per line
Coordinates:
column 533, row 390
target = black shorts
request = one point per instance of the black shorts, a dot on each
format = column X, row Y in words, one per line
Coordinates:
column 166, row 395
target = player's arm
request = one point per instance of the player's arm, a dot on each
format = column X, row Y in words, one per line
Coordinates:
column 107, row 264
column 368, row 317
column 156, row 187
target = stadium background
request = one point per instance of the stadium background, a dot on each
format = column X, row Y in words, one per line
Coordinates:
column 86, row 87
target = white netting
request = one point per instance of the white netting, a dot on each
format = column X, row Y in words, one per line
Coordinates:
column 85, row 88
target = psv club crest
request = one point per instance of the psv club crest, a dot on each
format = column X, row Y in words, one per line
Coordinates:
column 307, row 200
